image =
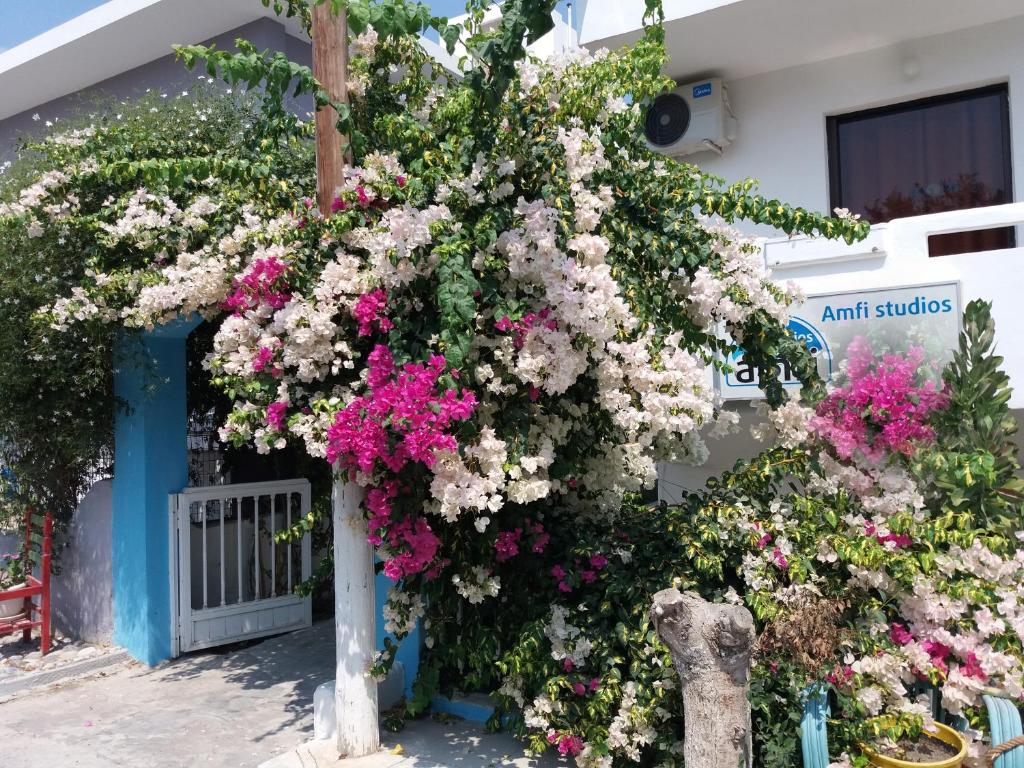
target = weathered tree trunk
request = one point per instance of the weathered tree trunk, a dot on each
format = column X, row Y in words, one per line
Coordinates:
column 710, row 645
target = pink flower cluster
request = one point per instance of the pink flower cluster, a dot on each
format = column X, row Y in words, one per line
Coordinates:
column 568, row 744
column 403, row 419
column 583, row 688
column 899, row 540
column 939, row 653
column 262, row 283
column 585, row 572
column 265, row 357
column 882, row 407
column 369, row 311
column 521, row 327
column 508, row 542
column 276, row 415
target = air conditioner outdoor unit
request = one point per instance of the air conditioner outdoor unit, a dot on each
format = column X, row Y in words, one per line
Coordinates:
column 692, row 118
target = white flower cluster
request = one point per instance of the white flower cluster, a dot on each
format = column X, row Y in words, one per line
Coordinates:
column 567, row 641
column 737, row 287
column 402, row 610
column 627, row 733
column 478, row 585
column 788, row 425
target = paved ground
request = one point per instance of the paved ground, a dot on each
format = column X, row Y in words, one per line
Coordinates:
column 19, row 658
column 225, row 709
column 235, row 708
column 424, row 744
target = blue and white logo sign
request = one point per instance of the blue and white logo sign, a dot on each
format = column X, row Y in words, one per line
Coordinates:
column 927, row 316
column 702, row 90
column 743, row 375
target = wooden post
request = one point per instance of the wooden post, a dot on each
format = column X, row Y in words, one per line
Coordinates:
column 26, row 563
column 330, row 68
column 355, row 692
column 44, row 598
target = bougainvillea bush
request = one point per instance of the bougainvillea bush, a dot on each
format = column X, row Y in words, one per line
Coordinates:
column 510, row 315
column 511, row 312
column 863, row 569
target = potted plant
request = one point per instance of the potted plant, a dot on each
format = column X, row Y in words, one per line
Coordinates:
column 934, row 746
column 12, row 576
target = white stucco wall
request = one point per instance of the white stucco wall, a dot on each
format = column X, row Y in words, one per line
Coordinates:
column 782, row 142
column 82, row 590
column 781, row 114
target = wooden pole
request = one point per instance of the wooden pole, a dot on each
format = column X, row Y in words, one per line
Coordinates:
column 355, row 692
column 330, row 68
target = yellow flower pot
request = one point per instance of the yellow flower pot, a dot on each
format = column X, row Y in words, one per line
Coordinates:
column 941, row 732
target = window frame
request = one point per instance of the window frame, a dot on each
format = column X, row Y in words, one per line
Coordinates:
column 833, row 122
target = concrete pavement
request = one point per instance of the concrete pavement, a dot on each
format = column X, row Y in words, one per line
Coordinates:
column 226, row 709
column 241, row 707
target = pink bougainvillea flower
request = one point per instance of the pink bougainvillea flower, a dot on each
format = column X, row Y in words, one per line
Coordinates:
column 569, row 744
column 507, row 544
column 938, row 653
column 263, row 283
column 276, row 415
column 899, row 634
column 404, row 418
column 369, row 312
column 779, row 559
column 972, row 667
column 885, row 405
column 540, row 538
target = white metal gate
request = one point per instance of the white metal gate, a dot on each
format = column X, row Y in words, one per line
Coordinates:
column 230, row 580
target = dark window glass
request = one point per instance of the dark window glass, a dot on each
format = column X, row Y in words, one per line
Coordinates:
column 926, row 156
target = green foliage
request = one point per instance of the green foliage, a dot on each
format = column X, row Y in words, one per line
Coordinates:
column 59, row 437
column 813, row 615
column 974, row 466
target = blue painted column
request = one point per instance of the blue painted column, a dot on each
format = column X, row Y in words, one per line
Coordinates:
column 409, row 649
column 150, row 462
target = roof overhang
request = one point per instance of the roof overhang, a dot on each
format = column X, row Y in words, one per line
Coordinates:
column 111, row 39
column 740, row 38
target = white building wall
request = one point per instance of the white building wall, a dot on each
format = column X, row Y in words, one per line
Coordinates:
column 782, row 139
column 782, row 143
column 82, row 588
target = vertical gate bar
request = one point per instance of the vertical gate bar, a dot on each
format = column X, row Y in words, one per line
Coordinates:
column 204, row 505
column 238, row 549
column 288, row 512
column 307, row 540
column 256, row 540
column 223, row 514
column 273, row 545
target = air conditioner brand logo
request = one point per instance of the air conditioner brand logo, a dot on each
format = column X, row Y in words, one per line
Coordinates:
column 744, row 374
column 699, row 91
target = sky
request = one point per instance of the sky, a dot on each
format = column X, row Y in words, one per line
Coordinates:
column 21, row 20
column 24, row 19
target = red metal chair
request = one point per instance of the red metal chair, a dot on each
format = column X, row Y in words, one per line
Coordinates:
column 34, row 614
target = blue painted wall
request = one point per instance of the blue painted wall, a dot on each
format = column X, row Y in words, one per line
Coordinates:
column 409, row 649
column 150, row 462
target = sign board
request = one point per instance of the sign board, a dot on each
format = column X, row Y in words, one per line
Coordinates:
column 890, row 319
